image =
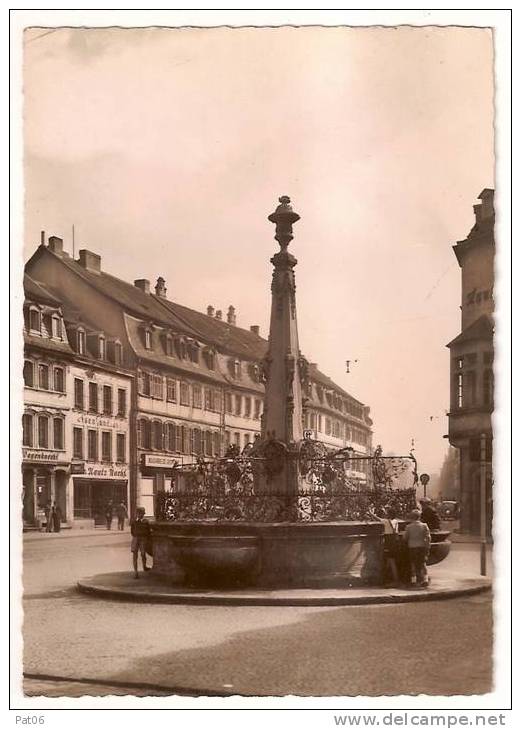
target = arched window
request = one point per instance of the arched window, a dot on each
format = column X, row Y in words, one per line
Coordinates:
column 43, row 431
column 217, row 443
column 59, row 379
column 27, row 428
column 144, row 433
column 196, row 441
column 58, row 433
column 158, row 435
column 43, row 376
column 169, row 437
column 28, row 373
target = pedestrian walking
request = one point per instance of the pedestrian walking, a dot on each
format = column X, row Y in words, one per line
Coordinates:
column 56, row 518
column 418, row 539
column 122, row 514
column 109, row 514
column 140, row 531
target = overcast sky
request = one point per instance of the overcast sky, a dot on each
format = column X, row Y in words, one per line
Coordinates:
column 168, row 148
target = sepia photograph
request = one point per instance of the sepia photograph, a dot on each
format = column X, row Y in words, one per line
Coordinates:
column 256, row 315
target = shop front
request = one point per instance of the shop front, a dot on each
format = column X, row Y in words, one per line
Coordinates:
column 95, row 486
column 45, row 480
column 155, row 475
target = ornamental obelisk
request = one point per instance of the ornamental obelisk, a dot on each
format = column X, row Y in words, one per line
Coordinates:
column 284, row 368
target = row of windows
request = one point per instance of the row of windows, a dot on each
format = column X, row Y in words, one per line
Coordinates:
column 44, row 376
column 183, row 347
column 155, row 386
column 93, row 445
column 337, row 402
column 43, row 431
column 173, row 438
column 335, row 428
column 49, row 324
column 465, row 390
column 100, row 398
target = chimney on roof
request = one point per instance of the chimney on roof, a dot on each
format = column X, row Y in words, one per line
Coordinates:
column 218, row 314
column 209, row 310
column 231, row 318
column 143, row 284
column 255, row 329
column 312, row 365
column 160, row 287
column 56, row 244
column 487, row 203
column 42, row 237
column 90, row 261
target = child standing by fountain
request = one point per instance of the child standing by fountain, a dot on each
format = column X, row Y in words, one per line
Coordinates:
column 140, row 530
column 417, row 537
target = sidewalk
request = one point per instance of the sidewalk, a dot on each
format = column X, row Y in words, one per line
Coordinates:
column 69, row 533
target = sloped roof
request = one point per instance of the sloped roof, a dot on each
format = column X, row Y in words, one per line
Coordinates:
column 150, row 307
column 229, row 337
column 52, row 345
column 38, row 291
column 482, row 328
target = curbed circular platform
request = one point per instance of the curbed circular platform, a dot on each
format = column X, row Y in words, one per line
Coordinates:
column 150, row 589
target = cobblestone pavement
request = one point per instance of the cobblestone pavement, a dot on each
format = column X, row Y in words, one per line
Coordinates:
column 439, row 648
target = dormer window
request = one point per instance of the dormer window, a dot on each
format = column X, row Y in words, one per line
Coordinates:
column 56, row 326
column 102, row 348
column 235, row 366
column 255, row 372
column 148, row 339
column 80, row 341
column 180, row 346
column 35, row 320
column 118, row 353
column 193, row 352
column 169, row 346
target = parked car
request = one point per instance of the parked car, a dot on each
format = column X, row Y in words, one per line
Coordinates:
column 448, row 510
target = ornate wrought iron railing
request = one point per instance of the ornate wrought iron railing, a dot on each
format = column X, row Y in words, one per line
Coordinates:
column 224, row 489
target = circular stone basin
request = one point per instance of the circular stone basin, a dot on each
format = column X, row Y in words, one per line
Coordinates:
column 216, row 559
column 440, row 547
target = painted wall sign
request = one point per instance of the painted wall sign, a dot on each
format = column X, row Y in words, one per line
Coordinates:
column 159, row 461
column 100, row 421
column 104, row 470
column 41, row 456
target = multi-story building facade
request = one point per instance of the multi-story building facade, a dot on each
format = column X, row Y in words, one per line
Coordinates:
column 45, row 445
column 197, row 383
column 76, row 413
column 471, row 364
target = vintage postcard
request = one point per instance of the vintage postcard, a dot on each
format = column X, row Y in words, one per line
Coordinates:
column 258, row 363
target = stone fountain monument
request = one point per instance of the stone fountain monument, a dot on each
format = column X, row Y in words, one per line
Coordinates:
column 277, row 532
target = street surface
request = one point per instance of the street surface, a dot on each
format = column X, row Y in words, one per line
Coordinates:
column 437, row 648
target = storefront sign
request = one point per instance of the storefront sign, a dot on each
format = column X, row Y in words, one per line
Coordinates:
column 102, row 470
column 153, row 461
column 41, row 456
column 77, row 468
column 98, row 421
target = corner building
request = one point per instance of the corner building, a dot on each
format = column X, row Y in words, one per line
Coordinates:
column 471, row 365
column 196, row 383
